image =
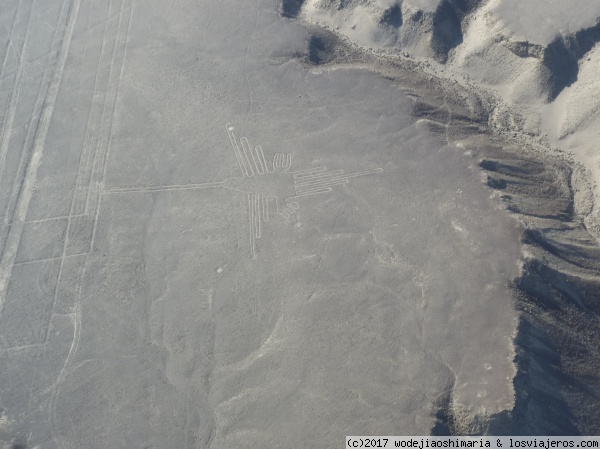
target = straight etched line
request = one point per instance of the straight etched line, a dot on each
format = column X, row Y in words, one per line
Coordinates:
column 21, row 348
column 75, row 196
column 90, row 129
column 311, row 192
column 277, row 160
column 11, row 110
column 269, row 201
column 236, row 148
column 261, row 159
column 82, row 160
column 348, row 176
column 324, row 182
column 108, row 19
column 247, row 154
column 257, row 162
column 67, row 231
column 118, row 87
column 329, row 183
column 104, row 133
column 257, row 215
column 23, row 157
column 308, row 172
column 248, row 150
column 251, row 223
column 22, row 206
column 31, row 262
column 150, row 189
column 10, row 42
column 293, row 206
column 30, row 128
column 34, row 61
column 345, row 177
column 109, row 145
column 71, row 256
column 31, row 134
column 43, row 220
column 8, row 75
column 307, row 179
column 264, row 207
column 283, row 212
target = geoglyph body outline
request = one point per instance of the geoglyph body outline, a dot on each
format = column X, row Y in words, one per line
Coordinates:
column 252, row 166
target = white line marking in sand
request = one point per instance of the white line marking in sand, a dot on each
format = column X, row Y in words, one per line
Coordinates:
column 14, row 236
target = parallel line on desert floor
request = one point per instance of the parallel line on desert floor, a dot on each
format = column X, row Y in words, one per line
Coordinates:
column 21, row 348
column 257, row 215
column 322, row 184
column 236, row 149
column 326, row 182
column 33, row 61
column 261, row 158
column 27, row 147
column 247, row 145
column 11, row 110
column 29, row 144
column 312, row 192
column 264, row 207
column 108, row 19
column 32, row 262
column 150, row 189
column 308, row 172
column 22, row 206
column 66, row 238
column 38, row 106
column 10, row 41
column 88, row 140
column 15, row 189
column 24, row 151
column 246, row 150
column 44, row 220
column 101, row 146
column 109, row 144
column 251, row 223
column 306, row 179
column 75, row 191
column 72, row 256
column 291, row 207
column 348, row 176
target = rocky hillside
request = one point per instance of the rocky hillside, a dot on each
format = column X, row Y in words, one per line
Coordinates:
column 537, row 59
column 515, row 85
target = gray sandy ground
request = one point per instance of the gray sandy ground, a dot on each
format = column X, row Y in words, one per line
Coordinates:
column 165, row 285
